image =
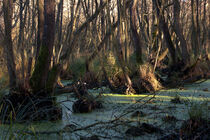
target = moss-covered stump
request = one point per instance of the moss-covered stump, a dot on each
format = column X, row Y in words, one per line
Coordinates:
column 19, row 107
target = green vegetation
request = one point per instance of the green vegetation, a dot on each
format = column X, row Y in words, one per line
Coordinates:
column 39, row 70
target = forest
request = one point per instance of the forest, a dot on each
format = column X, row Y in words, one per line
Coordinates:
column 104, row 69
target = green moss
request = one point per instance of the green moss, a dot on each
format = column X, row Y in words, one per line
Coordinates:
column 37, row 75
column 52, row 78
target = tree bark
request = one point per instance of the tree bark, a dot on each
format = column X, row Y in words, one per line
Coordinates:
column 164, row 27
column 40, row 75
column 135, row 36
column 58, row 29
column 120, row 52
column 40, row 5
column 8, row 49
column 179, row 32
column 22, row 38
column 194, row 39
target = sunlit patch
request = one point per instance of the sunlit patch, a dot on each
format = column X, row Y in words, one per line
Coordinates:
column 163, row 97
column 122, row 95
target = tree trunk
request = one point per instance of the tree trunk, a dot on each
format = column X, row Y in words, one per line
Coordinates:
column 164, row 27
column 135, row 36
column 8, row 49
column 120, row 52
column 22, row 39
column 179, row 32
column 58, row 29
column 194, row 39
column 40, row 4
column 40, row 75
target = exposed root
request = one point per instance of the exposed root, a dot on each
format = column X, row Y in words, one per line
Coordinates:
column 147, row 81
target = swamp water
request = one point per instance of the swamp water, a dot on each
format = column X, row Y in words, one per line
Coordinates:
column 119, row 113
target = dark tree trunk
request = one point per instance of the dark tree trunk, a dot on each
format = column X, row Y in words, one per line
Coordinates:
column 40, row 5
column 179, row 32
column 41, row 74
column 164, row 27
column 194, row 35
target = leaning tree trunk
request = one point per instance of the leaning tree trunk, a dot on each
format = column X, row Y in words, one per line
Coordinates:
column 8, row 49
column 164, row 27
column 42, row 75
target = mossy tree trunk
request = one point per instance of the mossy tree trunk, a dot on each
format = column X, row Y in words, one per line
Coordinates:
column 42, row 73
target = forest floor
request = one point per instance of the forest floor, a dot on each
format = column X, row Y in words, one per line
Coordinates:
column 143, row 116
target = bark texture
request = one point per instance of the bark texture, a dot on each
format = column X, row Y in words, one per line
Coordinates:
column 8, row 49
column 42, row 67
